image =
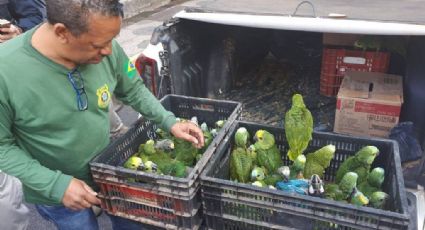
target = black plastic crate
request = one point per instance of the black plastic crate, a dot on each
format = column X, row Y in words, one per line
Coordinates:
column 232, row 206
column 177, row 196
column 157, row 216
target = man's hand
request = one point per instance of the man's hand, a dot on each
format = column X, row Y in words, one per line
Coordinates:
column 79, row 196
column 9, row 33
column 190, row 132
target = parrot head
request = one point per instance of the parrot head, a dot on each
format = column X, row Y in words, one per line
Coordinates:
column 194, row 120
column 376, row 177
column 257, row 174
column 359, row 44
column 149, row 147
column 348, row 182
column 379, row 199
column 285, row 172
column 214, row 132
column 358, row 198
column 134, row 163
column 219, row 124
column 300, row 161
column 150, row 166
column 160, row 133
column 367, row 154
column 204, row 127
column 241, row 137
column 164, row 145
column 298, row 101
column 264, row 139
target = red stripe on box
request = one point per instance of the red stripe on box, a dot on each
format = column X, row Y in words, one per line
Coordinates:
column 389, row 110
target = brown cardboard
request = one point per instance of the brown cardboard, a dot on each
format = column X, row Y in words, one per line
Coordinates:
column 340, row 39
column 368, row 104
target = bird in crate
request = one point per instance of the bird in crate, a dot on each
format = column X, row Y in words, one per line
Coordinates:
column 360, row 163
column 241, row 163
column 298, row 127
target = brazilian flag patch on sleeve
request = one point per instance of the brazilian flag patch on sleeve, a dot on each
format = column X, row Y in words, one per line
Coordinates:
column 131, row 69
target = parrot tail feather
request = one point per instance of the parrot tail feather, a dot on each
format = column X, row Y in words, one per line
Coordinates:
column 292, row 155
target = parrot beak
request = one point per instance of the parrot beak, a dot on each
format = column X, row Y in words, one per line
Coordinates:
column 141, row 168
column 154, row 167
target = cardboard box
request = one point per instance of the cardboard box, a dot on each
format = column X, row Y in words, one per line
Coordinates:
column 334, row 39
column 368, row 104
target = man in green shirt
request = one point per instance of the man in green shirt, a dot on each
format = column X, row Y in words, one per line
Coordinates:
column 56, row 83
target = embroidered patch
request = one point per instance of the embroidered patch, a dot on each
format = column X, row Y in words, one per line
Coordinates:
column 103, row 96
column 131, row 69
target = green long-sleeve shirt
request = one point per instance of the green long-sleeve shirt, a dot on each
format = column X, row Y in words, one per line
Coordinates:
column 44, row 139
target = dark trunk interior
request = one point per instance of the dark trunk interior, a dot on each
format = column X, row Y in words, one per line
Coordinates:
column 263, row 68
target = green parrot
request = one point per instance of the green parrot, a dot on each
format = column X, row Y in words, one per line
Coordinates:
column 343, row 190
column 162, row 134
column 392, row 44
column 258, row 173
column 151, row 167
column 379, row 200
column 358, row 198
column 241, row 161
column 219, row 124
column 374, row 181
column 360, row 163
column 268, row 155
column 240, row 165
column 272, row 179
column 135, row 163
column 297, row 168
column 168, row 166
column 298, row 127
column 150, row 147
column 166, row 145
column 241, row 137
column 347, row 184
column 332, row 192
column 144, row 157
column 318, row 161
column 369, row 42
column 147, row 148
column 185, row 152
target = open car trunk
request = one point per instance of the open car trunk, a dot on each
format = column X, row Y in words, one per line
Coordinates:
column 263, row 65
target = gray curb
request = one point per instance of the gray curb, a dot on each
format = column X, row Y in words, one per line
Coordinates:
column 135, row 7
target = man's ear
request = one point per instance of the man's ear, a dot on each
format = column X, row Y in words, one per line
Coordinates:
column 61, row 32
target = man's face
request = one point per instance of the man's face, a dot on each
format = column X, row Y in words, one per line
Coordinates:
column 92, row 46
